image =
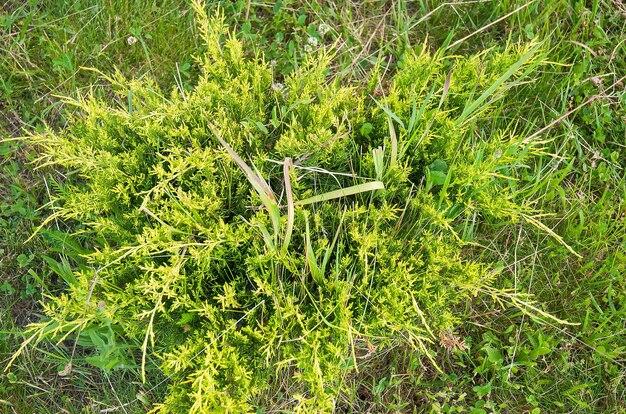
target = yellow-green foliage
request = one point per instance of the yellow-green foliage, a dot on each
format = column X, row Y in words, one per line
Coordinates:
column 183, row 267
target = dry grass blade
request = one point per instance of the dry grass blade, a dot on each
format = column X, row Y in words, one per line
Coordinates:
column 290, row 205
column 261, row 187
column 257, row 182
column 572, row 111
column 482, row 29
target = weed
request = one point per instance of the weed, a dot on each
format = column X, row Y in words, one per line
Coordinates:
column 358, row 207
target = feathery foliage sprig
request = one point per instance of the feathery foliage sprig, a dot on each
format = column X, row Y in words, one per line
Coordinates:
column 239, row 275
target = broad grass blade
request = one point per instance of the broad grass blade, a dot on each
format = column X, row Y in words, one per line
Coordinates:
column 331, row 195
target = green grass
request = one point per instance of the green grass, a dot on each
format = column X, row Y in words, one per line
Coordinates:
column 499, row 359
column 45, row 47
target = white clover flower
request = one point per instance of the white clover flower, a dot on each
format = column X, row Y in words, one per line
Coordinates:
column 131, row 40
column 312, row 41
column 308, row 48
column 323, row 29
column 279, row 87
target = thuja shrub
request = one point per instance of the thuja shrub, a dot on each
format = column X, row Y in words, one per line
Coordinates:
column 258, row 242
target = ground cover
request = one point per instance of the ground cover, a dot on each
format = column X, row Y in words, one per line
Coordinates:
column 486, row 276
